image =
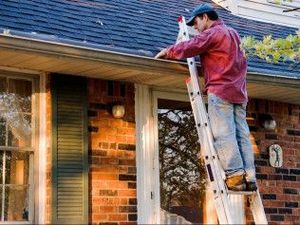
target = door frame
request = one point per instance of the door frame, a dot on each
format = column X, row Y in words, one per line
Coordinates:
column 155, row 157
column 148, row 194
column 148, row 191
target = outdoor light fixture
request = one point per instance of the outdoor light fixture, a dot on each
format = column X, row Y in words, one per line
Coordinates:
column 267, row 121
column 118, row 111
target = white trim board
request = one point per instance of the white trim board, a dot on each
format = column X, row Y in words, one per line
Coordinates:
column 144, row 146
column 42, row 151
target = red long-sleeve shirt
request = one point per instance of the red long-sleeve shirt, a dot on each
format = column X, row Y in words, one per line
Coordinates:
column 223, row 61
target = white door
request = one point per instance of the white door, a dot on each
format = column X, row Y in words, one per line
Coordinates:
column 179, row 176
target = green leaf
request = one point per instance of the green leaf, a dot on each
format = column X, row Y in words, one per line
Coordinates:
column 272, row 49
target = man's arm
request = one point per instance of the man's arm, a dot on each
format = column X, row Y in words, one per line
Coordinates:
column 190, row 48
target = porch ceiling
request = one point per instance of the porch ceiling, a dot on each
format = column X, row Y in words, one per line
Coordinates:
column 41, row 56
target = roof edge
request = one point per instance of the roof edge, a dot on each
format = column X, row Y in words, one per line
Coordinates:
column 276, row 80
column 30, row 43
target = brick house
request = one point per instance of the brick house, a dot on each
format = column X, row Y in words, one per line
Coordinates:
column 65, row 158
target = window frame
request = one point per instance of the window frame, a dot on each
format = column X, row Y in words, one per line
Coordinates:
column 33, row 149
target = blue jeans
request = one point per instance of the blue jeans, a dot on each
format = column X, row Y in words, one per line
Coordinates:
column 231, row 137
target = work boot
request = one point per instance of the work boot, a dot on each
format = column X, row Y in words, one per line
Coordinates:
column 236, row 183
column 251, row 186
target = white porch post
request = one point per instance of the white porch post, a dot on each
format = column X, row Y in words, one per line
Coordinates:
column 144, row 148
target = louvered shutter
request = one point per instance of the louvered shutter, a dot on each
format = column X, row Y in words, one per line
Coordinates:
column 70, row 151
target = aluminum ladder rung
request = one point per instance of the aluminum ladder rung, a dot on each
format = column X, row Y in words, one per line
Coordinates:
column 246, row 193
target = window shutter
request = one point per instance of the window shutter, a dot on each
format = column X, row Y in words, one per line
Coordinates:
column 70, row 150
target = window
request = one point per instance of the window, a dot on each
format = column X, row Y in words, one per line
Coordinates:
column 16, row 149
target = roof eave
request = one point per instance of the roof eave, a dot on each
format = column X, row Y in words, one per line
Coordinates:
column 46, row 56
column 137, row 69
column 108, row 54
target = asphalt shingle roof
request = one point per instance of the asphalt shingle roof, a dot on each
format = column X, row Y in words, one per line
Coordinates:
column 139, row 26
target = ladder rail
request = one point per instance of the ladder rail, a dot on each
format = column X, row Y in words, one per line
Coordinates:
column 259, row 216
column 211, row 163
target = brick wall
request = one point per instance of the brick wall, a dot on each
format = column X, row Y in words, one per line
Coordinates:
column 279, row 187
column 112, row 157
column 112, row 176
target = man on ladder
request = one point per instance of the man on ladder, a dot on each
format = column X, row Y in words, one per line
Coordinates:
column 227, row 151
column 224, row 67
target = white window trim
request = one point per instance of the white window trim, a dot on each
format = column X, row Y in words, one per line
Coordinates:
column 42, row 152
column 148, row 191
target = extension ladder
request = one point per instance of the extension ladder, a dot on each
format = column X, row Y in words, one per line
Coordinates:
column 216, row 175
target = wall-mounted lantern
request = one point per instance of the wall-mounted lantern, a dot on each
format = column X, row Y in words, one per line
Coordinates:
column 267, row 121
column 118, row 111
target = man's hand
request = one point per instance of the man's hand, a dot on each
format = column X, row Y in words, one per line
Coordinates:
column 161, row 54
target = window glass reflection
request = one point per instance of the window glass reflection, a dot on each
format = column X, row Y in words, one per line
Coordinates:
column 182, row 175
column 16, row 209
column 15, row 112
